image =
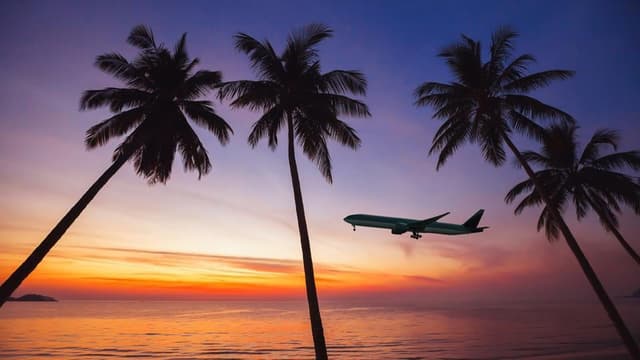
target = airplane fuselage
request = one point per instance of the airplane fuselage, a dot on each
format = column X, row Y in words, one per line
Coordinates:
column 385, row 222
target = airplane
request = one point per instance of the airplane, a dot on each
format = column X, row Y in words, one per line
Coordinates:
column 400, row 226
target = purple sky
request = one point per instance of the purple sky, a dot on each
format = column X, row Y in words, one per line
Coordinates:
column 244, row 207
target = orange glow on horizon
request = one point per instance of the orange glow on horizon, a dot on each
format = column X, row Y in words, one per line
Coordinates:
column 125, row 273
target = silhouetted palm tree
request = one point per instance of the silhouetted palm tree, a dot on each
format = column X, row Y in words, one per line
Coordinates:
column 589, row 181
column 292, row 92
column 160, row 90
column 485, row 104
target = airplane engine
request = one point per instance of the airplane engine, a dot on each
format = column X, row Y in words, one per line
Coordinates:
column 399, row 229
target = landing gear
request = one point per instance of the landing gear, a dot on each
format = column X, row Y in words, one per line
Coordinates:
column 416, row 236
column 354, row 228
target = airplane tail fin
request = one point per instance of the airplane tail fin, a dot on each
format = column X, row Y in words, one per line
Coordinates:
column 474, row 220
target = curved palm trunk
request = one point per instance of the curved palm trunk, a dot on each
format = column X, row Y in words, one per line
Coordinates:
column 21, row 273
column 312, row 295
column 612, row 311
column 615, row 232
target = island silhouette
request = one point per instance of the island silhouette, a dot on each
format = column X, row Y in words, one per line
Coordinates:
column 33, row 297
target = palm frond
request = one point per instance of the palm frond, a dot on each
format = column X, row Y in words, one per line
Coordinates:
column 343, row 133
column 118, row 66
column 515, row 70
column 142, row 37
column 180, row 56
column 255, row 95
column 309, row 36
column 268, row 125
column 536, row 109
column 132, row 142
column 192, row 64
column 344, row 81
column 619, row 160
column 439, row 94
column 501, row 47
column 463, row 59
column 343, row 105
column 547, row 219
column 200, row 84
column 537, row 80
column 203, row 114
column 622, row 187
column 116, row 125
column 533, row 199
column 602, row 207
column 262, row 56
column 194, row 155
column 309, row 134
column 580, row 202
column 449, row 140
column 525, row 125
column 116, row 98
column 533, row 157
column 559, row 146
column 300, row 49
column 611, row 201
column 518, row 189
column 454, row 110
column 550, row 223
column 490, row 135
column 442, row 100
column 601, row 137
column 153, row 158
column 552, row 183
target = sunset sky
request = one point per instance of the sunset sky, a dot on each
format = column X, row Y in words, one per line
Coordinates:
column 233, row 234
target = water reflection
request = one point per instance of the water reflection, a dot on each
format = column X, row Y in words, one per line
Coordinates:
column 255, row 330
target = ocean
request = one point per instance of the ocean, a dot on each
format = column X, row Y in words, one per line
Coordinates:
column 280, row 330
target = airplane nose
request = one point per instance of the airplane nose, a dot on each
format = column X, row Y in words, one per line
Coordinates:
column 348, row 219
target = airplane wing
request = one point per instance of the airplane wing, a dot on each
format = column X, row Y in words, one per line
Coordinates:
column 419, row 225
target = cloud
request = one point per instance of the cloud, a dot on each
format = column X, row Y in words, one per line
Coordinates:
column 423, row 279
column 186, row 259
column 170, row 258
column 163, row 269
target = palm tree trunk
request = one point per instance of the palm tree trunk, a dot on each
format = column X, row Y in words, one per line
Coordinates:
column 615, row 232
column 612, row 311
column 21, row 273
column 312, row 295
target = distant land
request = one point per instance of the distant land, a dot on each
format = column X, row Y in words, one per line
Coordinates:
column 32, row 297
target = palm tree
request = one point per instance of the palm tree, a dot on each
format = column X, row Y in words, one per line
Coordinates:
column 485, row 104
column 160, row 90
column 589, row 181
column 292, row 91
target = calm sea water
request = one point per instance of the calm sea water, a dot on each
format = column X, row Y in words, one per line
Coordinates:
column 280, row 330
